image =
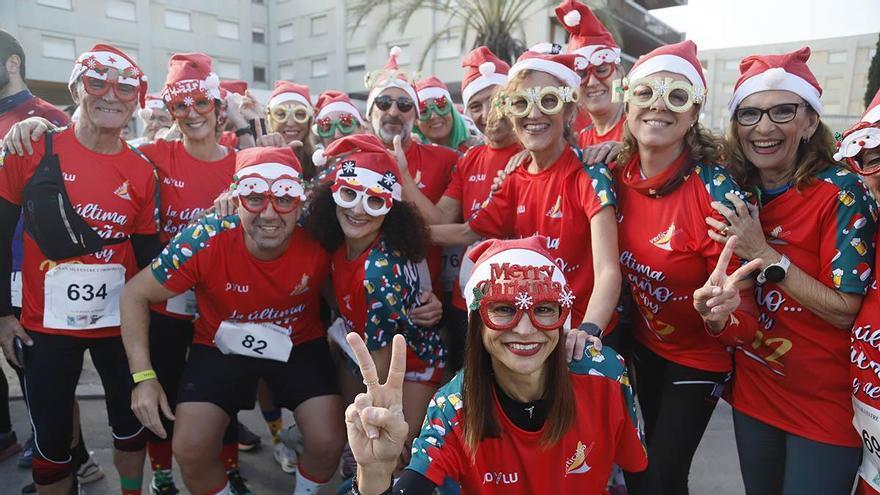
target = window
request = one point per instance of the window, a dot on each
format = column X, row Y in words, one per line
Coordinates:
column 258, row 35
column 319, row 25
column 58, row 4
column 447, row 47
column 403, row 58
column 357, row 60
column 285, row 72
column 319, row 67
column 285, row 33
column 227, row 29
column 228, row 70
column 177, row 20
column 259, row 74
column 119, row 9
column 837, row 58
column 63, row 48
column 731, row 65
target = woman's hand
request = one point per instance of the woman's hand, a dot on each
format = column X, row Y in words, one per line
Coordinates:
column 576, row 342
column 601, row 153
column 226, row 204
column 20, row 136
column 250, row 109
column 745, row 224
column 515, row 162
column 429, row 313
column 719, row 297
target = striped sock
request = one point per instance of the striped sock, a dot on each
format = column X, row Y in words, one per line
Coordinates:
column 131, row 486
column 306, row 486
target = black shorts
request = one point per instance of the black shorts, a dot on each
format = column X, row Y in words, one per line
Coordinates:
column 51, row 372
column 230, row 381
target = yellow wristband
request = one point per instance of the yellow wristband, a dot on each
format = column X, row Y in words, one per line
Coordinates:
column 142, row 376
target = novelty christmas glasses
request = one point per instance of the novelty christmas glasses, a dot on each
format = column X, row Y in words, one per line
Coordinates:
column 428, row 108
column 326, row 128
column 372, row 189
column 679, row 96
column 179, row 106
column 280, row 113
column 601, row 72
column 860, row 147
column 549, row 100
column 100, row 87
column 255, row 192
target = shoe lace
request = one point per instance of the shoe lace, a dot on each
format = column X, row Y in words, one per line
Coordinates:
column 236, row 482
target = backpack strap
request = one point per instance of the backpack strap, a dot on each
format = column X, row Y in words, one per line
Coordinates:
column 156, row 197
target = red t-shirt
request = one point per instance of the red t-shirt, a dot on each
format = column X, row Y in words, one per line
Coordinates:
column 114, row 194
column 864, row 364
column 558, row 203
column 589, row 136
column 210, row 256
column 605, row 432
column 32, row 107
column 582, row 120
column 470, row 186
column 827, row 231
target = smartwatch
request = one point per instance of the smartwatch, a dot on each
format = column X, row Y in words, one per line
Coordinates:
column 591, row 328
column 243, row 131
column 776, row 272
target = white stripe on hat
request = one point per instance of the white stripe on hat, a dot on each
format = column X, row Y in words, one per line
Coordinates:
column 268, row 171
column 480, row 84
column 788, row 82
column 340, row 106
column 434, row 92
column 284, row 97
column 371, row 179
column 669, row 63
column 393, row 83
column 567, row 76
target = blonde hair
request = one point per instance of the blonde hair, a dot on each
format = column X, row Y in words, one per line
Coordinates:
column 569, row 108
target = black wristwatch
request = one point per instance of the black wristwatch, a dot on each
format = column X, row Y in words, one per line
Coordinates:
column 591, row 328
column 355, row 491
column 244, row 130
column 776, row 272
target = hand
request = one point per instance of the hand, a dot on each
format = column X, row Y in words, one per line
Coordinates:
column 146, row 399
column 250, row 109
column 19, row 138
column 512, row 164
column 233, row 110
column 576, row 342
column 275, row 140
column 601, row 153
column 400, row 155
column 226, row 204
column 745, row 224
column 171, row 134
column 376, row 428
column 719, row 297
column 10, row 328
column 429, row 313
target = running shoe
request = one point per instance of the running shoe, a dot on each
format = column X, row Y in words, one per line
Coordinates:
column 8, row 445
column 286, row 458
column 90, row 471
column 236, row 482
column 247, row 440
column 27, row 454
column 292, row 437
column 29, row 488
column 163, row 483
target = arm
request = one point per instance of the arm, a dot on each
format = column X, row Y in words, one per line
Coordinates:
column 455, row 234
column 9, row 325
column 606, row 284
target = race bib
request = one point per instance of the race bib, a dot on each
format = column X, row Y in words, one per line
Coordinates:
column 182, row 304
column 867, row 423
column 15, row 287
column 452, row 258
column 256, row 340
column 83, row 297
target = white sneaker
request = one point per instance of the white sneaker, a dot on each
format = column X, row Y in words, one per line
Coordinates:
column 292, row 437
column 89, row 472
column 286, row 458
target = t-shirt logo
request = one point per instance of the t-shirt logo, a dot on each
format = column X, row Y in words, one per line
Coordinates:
column 520, row 209
column 577, row 463
column 775, row 236
column 303, row 286
column 556, row 211
column 663, row 240
column 122, row 191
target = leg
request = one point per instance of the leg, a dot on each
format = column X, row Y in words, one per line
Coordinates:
column 271, row 412
column 197, row 444
column 762, row 454
column 815, row 467
column 320, row 420
column 8, row 441
column 650, row 374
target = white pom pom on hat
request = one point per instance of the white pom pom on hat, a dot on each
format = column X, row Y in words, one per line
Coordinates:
column 573, row 18
column 487, row 68
column 212, row 81
column 773, row 77
column 395, row 51
column 319, row 158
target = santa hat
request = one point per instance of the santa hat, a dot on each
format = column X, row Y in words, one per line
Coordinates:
column 482, row 69
column 236, row 86
column 678, row 58
column 100, row 59
column 432, row 88
column 589, row 37
column 336, row 101
column 865, row 134
column 366, row 164
column 152, row 102
column 548, row 58
column 389, row 77
column 786, row 72
column 189, row 74
column 529, row 260
column 288, row 91
column 270, row 164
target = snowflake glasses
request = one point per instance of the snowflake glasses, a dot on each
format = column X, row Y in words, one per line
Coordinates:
column 600, row 72
column 255, row 192
column 100, row 87
column 428, row 108
column 282, row 112
column 515, row 290
column 326, row 128
column 860, row 147
column 351, row 188
column 179, row 105
column 550, row 100
column 679, row 96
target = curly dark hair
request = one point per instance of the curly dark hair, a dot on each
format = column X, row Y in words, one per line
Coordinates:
column 403, row 228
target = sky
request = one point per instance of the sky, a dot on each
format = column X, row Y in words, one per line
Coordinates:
column 726, row 23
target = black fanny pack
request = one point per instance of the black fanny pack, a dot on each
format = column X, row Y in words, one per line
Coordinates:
column 50, row 218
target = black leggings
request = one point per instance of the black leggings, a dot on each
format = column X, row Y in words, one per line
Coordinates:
column 774, row 462
column 5, row 418
column 677, row 402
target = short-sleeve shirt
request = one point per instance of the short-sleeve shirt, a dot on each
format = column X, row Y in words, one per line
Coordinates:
column 375, row 293
column 210, row 256
column 827, row 230
column 590, row 136
column 558, row 203
column 864, row 364
column 113, row 193
column 605, row 432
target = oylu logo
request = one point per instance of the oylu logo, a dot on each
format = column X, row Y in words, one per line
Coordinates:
column 500, row 478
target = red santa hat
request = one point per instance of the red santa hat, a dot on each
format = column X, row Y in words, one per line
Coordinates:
column 336, row 101
column 482, row 69
column 288, row 91
column 589, row 37
column 100, row 59
column 548, row 58
column 365, row 165
column 786, row 72
column 236, row 86
column 678, row 58
column 270, row 164
column 432, row 88
column 189, row 75
column 522, row 262
column 389, row 77
column 865, row 134
column 152, row 102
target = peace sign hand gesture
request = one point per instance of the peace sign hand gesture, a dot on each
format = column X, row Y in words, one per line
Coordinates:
column 719, row 297
column 376, row 428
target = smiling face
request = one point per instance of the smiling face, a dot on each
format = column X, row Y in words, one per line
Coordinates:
column 197, row 126
column 438, row 127
column 480, row 105
column 158, row 119
column 523, row 350
column 655, row 126
column 267, row 233
column 392, row 122
column 358, row 226
column 289, row 127
column 103, row 112
column 771, row 146
column 538, row 131
column 337, row 132
column 596, row 93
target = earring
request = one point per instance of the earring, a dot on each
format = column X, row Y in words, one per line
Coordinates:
column 805, row 139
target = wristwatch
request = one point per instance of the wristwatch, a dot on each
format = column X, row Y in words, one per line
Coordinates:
column 776, row 272
column 244, row 130
column 591, row 328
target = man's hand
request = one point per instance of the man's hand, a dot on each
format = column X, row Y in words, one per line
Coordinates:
column 10, row 328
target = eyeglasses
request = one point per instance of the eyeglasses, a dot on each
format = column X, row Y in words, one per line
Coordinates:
column 348, row 197
column 179, row 106
column 280, row 113
column 601, row 72
column 549, row 100
column 256, row 192
column 100, row 87
column 345, row 124
column 867, row 162
column 503, row 316
column 404, row 103
column 779, row 114
column 428, row 108
column 679, row 96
